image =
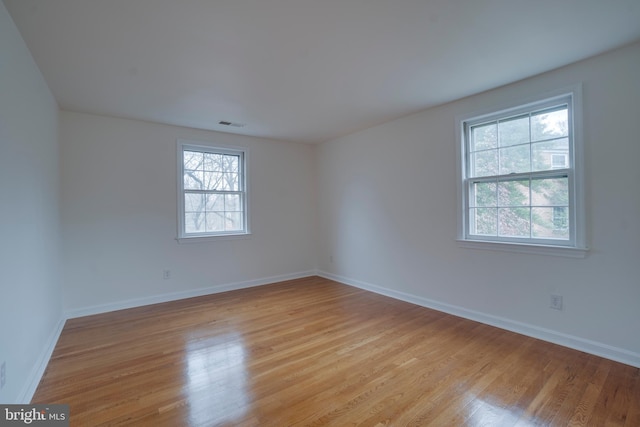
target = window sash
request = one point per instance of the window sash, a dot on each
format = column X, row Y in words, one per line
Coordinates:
column 531, row 206
column 553, row 172
column 240, row 191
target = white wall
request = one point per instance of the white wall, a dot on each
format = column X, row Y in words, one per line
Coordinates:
column 381, row 202
column 387, row 216
column 119, row 215
column 30, row 297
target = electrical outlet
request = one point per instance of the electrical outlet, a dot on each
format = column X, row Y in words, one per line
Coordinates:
column 166, row 274
column 3, row 374
column 330, row 259
column 556, row 302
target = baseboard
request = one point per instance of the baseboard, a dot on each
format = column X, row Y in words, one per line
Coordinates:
column 40, row 366
column 173, row 296
column 599, row 349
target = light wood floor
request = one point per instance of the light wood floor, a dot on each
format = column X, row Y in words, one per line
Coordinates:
column 313, row 352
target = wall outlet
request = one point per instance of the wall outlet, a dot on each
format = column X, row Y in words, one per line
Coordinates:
column 3, row 374
column 556, row 302
column 330, row 259
column 166, row 274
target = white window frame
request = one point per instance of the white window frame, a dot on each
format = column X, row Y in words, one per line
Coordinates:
column 576, row 245
column 205, row 146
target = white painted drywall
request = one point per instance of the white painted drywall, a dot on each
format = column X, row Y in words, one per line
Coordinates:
column 119, row 214
column 30, row 297
column 387, row 213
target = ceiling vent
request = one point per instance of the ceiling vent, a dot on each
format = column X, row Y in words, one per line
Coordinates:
column 232, row 124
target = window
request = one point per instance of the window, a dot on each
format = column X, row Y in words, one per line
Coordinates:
column 212, row 186
column 519, row 177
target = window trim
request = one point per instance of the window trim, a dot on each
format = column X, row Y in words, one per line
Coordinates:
column 576, row 246
column 206, row 146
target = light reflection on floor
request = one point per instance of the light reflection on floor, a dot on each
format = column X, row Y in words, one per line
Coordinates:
column 483, row 413
column 216, row 379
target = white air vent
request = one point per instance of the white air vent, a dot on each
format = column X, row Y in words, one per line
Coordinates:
column 232, row 124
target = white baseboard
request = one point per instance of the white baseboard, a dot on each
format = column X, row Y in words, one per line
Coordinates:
column 40, row 366
column 173, row 296
column 599, row 349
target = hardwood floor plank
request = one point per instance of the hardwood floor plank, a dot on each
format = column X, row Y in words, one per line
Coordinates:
column 313, row 352
column 633, row 412
column 585, row 369
column 583, row 411
column 614, row 399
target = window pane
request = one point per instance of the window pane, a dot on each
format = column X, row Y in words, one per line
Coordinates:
column 484, row 163
column 212, row 162
column 515, row 160
column 560, row 217
column 550, row 223
column 514, row 131
column 513, row 193
column 549, row 124
column 193, row 180
column 484, row 137
column 192, row 160
column 550, row 192
column 514, row 222
column 546, row 153
column 232, row 202
column 233, row 221
column 230, row 182
column 194, row 222
column 213, row 181
column 193, row 202
column 483, row 221
column 483, row 194
column 231, row 163
column 215, row 202
column 559, row 161
column 215, row 221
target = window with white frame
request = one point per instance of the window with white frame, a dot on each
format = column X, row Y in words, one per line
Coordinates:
column 519, row 176
column 212, row 187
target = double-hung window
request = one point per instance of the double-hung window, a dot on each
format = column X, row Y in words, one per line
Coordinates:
column 212, row 190
column 520, row 174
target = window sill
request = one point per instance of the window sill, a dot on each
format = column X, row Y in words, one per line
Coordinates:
column 561, row 251
column 204, row 239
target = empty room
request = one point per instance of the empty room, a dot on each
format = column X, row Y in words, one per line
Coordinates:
column 306, row 213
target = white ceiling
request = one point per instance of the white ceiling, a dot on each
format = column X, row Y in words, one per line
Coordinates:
column 303, row 70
